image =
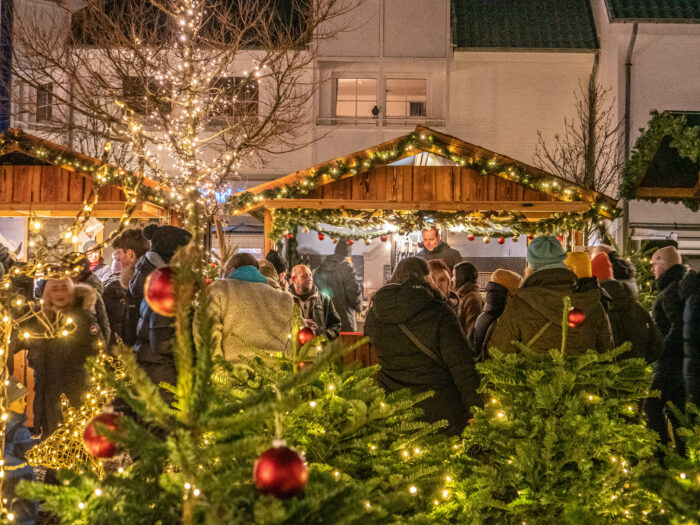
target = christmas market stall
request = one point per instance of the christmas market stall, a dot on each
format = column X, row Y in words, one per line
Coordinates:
column 421, row 180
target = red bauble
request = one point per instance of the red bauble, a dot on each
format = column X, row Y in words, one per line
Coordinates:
column 97, row 445
column 305, row 335
column 384, row 238
column 321, row 236
column 207, row 280
column 159, row 291
column 350, row 242
column 281, row 472
column 289, row 235
column 560, row 238
column 304, row 364
column 213, row 265
column 500, row 240
column 576, row 317
column 471, row 237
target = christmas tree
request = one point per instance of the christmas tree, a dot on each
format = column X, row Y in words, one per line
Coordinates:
column 369, row 456
column 559, row 441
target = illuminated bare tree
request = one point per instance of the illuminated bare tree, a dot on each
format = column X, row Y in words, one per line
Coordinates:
column 187, row 91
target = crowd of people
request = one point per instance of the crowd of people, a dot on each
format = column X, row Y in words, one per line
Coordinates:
column 429, row 324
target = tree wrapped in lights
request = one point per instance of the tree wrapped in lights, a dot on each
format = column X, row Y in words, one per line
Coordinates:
column 369, row 455
column 560, row 440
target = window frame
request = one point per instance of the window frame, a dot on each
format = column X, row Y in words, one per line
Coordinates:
column 356, row 77
column 406, row 102
column 238, row 107
column 43, row 110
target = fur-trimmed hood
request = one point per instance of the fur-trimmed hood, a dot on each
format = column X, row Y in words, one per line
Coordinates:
column 85, row 297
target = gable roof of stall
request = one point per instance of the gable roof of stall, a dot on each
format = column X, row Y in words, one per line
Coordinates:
column 476, row 179
column 37, row 175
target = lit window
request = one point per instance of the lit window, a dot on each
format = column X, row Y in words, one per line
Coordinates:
column 44, row 102
column 406, row 97
column 355, row 97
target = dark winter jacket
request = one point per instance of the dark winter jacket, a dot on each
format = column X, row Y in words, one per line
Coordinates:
column 689, row 289
column 115, row 299
column 624, row 271
column 630, row 322
column 318, row 307
column 427, row 316
column 154, row 332
column 442, row 251
column 18, row 441
column 142, row 269
column 496, row 297
column 585, row 284
column 534, row 314
column 668, row 312
column 59, row 363
column 336, row 278
column 469, row 307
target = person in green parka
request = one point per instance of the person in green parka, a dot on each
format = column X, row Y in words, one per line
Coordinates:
column 533, row 315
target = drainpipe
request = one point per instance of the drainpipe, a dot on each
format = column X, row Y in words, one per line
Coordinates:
column 628, row 98
column 6, row 18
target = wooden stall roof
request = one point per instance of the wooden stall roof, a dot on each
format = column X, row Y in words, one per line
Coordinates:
column 32, row 184
column 427, row 187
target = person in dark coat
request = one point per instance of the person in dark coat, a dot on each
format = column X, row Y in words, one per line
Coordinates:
column 501, row 283
column 470, row 303
column 316, row 307
column 409, row 310
column 533, row 314
column 668, row 315
column 435, row 248
column 623, row 271
column 123, row 307
column 18, row 441
column 689, row 291
column 59, row 362
column 629, row 320
column 337, row 279
column 154, row 332
column 277, row 261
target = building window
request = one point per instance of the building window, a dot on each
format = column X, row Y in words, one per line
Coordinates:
column 406, row 97
column 44, row 102
column 139, row 93
column 355, row 97
column 234, row 97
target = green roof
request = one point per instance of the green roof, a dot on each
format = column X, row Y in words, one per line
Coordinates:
column 679, row 11
column 524, row 24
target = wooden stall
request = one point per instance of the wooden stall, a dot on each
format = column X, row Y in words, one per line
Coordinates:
column 397, row 176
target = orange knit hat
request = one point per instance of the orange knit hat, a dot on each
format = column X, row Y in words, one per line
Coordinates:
column 601, row 266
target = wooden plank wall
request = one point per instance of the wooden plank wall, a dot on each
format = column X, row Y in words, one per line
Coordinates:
column 49, row 184
column 426, row 183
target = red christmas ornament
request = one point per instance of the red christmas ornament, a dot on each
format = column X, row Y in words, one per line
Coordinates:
column 350, row 242
column 576, row 317
column 500, row 240
column 384, row 238
column 213, row 265
column 305, row 335
column 97, row 445
column 281, row 472
column 560, row 238
column 471, row 237
column 304, row 364
column 289, row 235
column 159, row 291
column 321, row 236
column 207, row 280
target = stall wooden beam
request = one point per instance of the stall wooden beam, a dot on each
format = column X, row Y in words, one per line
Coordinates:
column 665, row 193
column 68, row 210
column 476, row 206
column 267, row 227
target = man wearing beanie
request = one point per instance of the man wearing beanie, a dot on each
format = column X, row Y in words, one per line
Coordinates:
column 629, row 320
column 502, row 282
column 534, row 312
column 337, row 279
column 154, row 332
column 668, row 314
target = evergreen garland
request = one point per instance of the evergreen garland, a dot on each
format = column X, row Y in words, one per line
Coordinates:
column 685, row 139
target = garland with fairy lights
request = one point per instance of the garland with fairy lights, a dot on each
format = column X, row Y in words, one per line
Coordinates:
column 405, row 146
column 367, row 225
column 101, row 173
column 684, row 138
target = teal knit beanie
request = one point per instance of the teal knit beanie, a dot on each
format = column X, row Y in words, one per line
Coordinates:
column 545, row 250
